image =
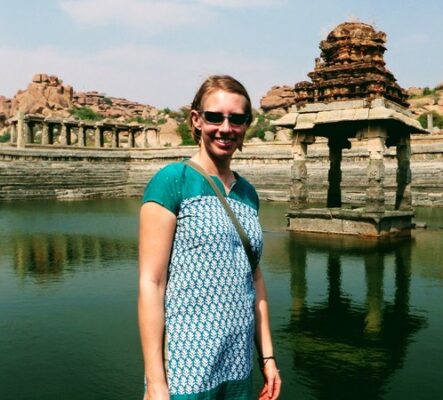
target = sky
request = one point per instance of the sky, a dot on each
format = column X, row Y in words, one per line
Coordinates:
column 158, row 52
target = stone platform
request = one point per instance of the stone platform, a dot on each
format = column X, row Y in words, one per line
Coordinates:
column 351, row 222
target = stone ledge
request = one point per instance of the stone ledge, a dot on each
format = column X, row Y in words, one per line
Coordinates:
column 351, row 222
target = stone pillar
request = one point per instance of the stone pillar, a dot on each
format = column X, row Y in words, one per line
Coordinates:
column 45, row 133
column 430, row 121
column 334, row 174
column 375, row 195
column 131, row 138
column 299, row 174
column 81, row 133
column 152, row 138
column 63, row 135
column 115, row 141
column 29, row 131
column 403, row 196
column 145, row 138
column 99, row 142
column 21, row 133
column 13, row 132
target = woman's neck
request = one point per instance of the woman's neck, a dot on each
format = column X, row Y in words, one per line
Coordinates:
column 219, row 168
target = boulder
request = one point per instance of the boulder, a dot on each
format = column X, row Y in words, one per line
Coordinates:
column 278, row 97
column 283, row 135
column 269, row 136
column 169, row 134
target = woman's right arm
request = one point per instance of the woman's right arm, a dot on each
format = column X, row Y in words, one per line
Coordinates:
column 157, row 228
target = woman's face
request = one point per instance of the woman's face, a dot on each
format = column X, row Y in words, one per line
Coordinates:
column 221, row 140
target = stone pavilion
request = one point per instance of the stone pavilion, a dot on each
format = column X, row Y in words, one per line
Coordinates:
column 352, row 95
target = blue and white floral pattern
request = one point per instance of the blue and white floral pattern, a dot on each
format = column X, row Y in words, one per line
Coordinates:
column 210, row 296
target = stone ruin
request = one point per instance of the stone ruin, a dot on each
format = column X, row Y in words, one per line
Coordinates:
column 352, row 96
column 44, row 107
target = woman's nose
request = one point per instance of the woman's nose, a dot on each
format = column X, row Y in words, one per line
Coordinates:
column 225, row 125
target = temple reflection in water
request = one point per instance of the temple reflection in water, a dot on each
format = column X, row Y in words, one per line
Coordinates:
column 344, row 342
column 49, row 256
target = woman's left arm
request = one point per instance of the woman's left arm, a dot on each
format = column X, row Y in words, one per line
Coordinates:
column 263, row 339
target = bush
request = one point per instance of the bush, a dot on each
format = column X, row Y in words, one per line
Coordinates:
column 185, row 132
column 6, row 137
column 260, row 125
column 85, row 114
column 427, row 91
column 437, row 119
column 107, row 101
column 141, row 120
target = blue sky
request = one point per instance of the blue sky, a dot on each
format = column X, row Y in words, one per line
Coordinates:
column 158, row 52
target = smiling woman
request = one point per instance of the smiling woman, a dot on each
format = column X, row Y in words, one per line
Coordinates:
column 202, row 298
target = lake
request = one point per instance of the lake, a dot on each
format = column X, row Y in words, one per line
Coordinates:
column 351, row 318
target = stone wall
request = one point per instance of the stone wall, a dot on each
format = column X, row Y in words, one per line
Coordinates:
column 38, row 172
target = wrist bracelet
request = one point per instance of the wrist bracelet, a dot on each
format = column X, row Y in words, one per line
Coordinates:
column 263, row 360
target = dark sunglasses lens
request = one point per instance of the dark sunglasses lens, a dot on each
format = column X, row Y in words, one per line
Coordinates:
column 213, row 117
column 238, row 119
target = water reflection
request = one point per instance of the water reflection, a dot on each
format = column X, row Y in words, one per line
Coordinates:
column 343, row 347
column 48, row 256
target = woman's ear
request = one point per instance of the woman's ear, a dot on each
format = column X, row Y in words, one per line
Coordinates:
column 195, row 119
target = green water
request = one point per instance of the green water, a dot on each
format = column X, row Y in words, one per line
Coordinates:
column 351, row 318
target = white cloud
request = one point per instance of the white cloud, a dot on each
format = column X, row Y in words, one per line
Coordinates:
column 243, row 3
column 150, row 16
column 153, row 16
column 146, row 74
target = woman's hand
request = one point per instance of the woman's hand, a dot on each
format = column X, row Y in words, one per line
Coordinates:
column 272, row 385
column 157, row 391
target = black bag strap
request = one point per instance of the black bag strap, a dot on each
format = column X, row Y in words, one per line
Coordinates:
column 243, row 236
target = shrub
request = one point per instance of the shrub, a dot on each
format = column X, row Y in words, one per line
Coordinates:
column 185, row 133
column 437, row 119
column 141, row 120
column 85, row 114
column 6, row 137
column 107, row 101
column 261, row 124
column 427, row 91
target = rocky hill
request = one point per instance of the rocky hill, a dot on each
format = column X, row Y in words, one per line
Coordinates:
column 47, row 95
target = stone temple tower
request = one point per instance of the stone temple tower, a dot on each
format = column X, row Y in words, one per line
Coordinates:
column 352, row 96
column 351, row 66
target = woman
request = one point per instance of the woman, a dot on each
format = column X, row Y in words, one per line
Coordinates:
column 200, row 300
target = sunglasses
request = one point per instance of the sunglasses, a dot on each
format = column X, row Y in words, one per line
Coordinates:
column 217, row 118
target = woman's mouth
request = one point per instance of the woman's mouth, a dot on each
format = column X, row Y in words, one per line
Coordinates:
column 224, row 140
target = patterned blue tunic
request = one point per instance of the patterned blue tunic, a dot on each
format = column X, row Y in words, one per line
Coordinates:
column 210, row 297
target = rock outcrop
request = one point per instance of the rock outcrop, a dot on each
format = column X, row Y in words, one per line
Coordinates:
column 47, row 95
column 278, row 100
